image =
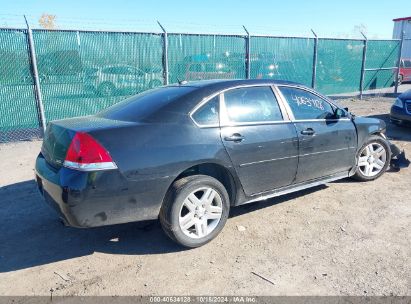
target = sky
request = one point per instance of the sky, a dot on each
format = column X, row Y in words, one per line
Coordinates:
column 281, row 18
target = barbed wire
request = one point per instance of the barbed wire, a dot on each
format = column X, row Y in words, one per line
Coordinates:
column 146, row 25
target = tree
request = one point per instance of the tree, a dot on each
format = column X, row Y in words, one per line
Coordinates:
column 48, row 21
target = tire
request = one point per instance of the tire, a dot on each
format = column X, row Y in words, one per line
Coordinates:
column 182, row 216
column 372, row 162
column 106, row 89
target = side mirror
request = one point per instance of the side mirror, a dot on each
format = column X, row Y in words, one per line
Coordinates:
column 339, row 113
column 346, row 109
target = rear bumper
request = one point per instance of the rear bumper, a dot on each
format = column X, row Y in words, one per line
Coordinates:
column 54, row 197
column 91, row 199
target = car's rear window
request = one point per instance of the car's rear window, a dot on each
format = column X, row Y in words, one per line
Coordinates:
column 143, row 105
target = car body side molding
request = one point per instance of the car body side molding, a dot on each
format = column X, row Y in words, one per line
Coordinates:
column 298, row 187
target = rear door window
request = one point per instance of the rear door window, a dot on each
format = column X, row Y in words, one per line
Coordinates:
column 252, row 104
column 143, row 105
column 306, row 105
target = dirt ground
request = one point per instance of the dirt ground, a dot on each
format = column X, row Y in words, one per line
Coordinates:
column 344, row 238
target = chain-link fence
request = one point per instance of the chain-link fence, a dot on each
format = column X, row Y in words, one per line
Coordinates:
column 198, row 57
column 18, row 110
column 339, row 65
column 282, row 58
column 84, row 72
column 81, row 72
column 382, row 56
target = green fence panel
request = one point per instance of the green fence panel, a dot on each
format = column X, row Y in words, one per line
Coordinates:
column 18, row 110
column 381, row 54
column 82, row 73
column 199, row 57
column 282, row 58
column 339, row 65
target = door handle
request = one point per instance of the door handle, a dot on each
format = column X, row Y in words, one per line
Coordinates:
column 308, row 131
column 234, row 137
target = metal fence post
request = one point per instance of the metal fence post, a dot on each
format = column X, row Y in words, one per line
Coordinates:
column 33, row 59
column 165, row 54
column 364, row 59
column 248, row 54
column 397, row 73
column 315, row 57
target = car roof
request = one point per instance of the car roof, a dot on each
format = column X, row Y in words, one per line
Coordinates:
column 220, row 84
column 195, row 92
column 205, row 88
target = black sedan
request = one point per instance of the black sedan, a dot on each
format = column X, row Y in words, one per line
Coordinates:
column 187, row 153
column 401, row 109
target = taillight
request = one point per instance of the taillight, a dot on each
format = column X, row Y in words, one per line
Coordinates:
column 86, row 154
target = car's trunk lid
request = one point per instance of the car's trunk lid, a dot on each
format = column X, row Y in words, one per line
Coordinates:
column 60, row 133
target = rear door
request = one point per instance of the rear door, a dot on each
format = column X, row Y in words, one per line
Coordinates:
column 260, row 140
column 326, row 145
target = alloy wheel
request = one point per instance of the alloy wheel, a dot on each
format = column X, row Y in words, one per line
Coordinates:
column 200, row 212
column 372, row 159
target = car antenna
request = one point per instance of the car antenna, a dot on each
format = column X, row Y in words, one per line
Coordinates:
column 180, row 82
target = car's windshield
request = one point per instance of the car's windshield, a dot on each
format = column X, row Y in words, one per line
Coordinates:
column 143, row 105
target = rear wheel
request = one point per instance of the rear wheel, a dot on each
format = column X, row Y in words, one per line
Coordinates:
column 195, row 210
column 373, row 159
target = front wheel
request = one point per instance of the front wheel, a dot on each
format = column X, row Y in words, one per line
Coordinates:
column 373, row 159
column 195, row 210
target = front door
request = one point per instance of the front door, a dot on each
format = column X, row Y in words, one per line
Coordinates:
column 327, row 145
column 262, row 145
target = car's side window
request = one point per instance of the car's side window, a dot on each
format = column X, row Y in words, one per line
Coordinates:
column 252, row 104
column 207, row 114
column 306, row 105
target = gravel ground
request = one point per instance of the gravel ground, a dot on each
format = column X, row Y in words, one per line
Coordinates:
column 344, row 238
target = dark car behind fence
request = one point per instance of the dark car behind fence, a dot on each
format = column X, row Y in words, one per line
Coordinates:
column 68, row 61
